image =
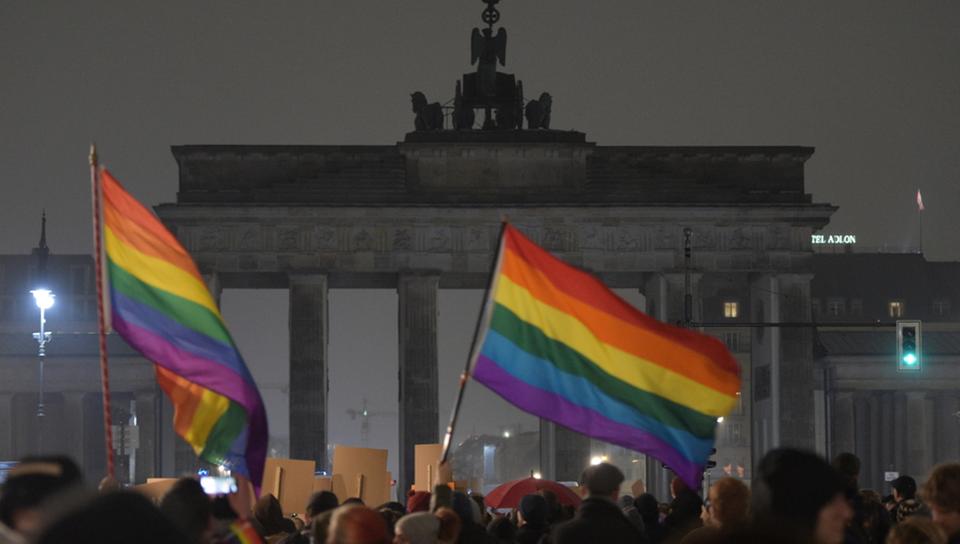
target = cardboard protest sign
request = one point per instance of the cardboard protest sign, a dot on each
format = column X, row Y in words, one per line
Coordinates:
column 360, row 472
column 290, row 481
column 426, row 462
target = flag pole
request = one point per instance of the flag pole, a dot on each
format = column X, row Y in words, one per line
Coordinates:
column 465, row 376
column 101, row 318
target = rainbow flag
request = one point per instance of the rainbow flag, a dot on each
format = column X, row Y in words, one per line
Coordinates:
column 557, row 343
column 161, row 306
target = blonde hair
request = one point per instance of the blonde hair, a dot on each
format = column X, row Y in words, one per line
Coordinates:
column 916, row 530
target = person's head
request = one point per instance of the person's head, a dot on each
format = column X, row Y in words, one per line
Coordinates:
column 648, row 507
column 638, row 488
column 450, row 525
column 354, row 524
column 533, row 511
column 481, row 508
column 189, row 508
column 903, row 488
column 916, row 530
column 602, row 480
column 848, row 465
column 502, row 529
column 320, row 502
column 728, row 503
column 464, row 508
column 418, row 501
column 800, row 492
column 320, row 527
column 677, row 487
column 270, row 516
column 554, row 509
column 114, row 518
column 941, row 492
column 356, row 501
column 417, row 528
column 29, row 484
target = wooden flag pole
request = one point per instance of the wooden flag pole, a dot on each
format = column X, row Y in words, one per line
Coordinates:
column 101, row 318
column 484, row 315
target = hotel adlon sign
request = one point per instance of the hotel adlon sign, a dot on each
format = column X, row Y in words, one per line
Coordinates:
column 831, row 239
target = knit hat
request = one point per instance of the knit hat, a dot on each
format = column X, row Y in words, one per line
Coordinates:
column 418, row 501
column 791, row 486
column 419, row 527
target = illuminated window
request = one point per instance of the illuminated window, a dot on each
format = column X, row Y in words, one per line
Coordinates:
column 896, row 308
column 731, row 309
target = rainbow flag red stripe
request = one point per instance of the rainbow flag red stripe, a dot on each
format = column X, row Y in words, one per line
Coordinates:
column 557, row 343
column 161, row 306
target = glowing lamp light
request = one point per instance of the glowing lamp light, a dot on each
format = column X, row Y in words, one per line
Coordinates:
column 44, row 298
column 596, row 460
column 537, row 475
column 506, row 434
column 720, row 419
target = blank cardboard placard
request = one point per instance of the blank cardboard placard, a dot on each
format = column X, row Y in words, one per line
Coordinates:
column 361, row 472
column 322, row 484
column 426, row 462
column 290, row 481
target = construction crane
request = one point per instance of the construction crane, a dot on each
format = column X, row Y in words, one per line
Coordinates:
column 365, row 414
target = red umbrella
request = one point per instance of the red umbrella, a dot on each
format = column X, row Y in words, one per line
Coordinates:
column 508, row 495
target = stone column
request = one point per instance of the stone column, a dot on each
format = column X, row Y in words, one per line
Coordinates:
column 945, row 434
column 215, row 286
column 308, row 368
column 148, row 451
column 873, row 466
column 843, row 424
column 419, row 420
column 782, row 362
column 74, row 426
column 861, row 419
column 6, row 426
column 900, row 431
column 664, row 294
column 919, row 458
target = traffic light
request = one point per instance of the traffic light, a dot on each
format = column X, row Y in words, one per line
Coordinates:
column 909, row 346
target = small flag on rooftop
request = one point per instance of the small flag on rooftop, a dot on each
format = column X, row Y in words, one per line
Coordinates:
column 919, row 201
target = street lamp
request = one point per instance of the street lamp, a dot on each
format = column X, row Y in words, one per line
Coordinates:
column 44, row 299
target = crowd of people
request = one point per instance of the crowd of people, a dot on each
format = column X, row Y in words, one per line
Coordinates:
column 795, row 497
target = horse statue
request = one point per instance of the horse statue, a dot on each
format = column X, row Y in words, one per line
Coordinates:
column 429, row 116
column 538, row 112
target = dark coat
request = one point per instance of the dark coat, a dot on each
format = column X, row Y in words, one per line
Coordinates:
column 598, row 520
column 530, row 535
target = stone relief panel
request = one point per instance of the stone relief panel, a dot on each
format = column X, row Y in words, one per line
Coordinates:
column 402, row 239
column 595, row 237
column 704, row 238
column 630, row 238
column 556, row 239
column 325, row 238
column 288, row 239
column 739, row 238
column 249, row 239
column 478, row 239
column 665, row 238
column 363, row 239
column 212, row 239
column 438, row 239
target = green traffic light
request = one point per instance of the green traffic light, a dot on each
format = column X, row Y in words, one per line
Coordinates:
column 910, row 359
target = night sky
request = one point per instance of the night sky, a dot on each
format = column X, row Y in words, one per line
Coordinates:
column 873, row 85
